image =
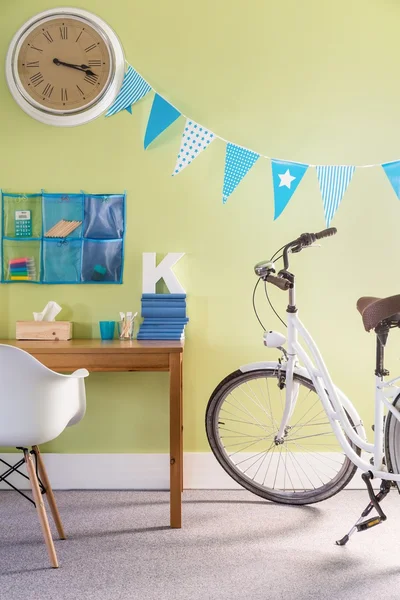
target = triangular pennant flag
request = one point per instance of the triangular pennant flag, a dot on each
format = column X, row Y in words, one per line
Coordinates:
column 333, row 182
column 238, row 162
column 195, row 139
column 286, row 177
column 162, row 115
column 392, row 171
column 133, row 88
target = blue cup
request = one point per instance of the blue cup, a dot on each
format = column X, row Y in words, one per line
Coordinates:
column 107, row 330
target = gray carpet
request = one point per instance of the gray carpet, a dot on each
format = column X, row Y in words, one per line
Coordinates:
column 233, row 546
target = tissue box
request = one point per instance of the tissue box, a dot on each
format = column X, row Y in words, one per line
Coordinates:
column 44, row 330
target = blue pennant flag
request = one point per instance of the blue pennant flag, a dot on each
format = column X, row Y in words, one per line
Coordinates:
column 238, row 162
column 333, row 182
column 133, row 88
column 392, row 171
column 286, row 177
column 162, row 116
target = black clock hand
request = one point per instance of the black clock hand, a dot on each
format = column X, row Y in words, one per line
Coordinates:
column 83, row 68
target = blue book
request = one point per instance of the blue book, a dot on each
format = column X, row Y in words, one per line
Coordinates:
column 158, row 326
column 164, row 331
column 165, row 312
column 160, row 306
column 166, row 296
column 163, row 301
column 160, row 337
column 166, row 320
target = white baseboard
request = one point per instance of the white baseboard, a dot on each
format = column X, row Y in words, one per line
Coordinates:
column 131, row 472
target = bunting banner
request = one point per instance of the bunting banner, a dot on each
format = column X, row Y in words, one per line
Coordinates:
column 333, row 182
column 162, row 115
column 286, row 176
column 195, row 139
column 133, row 88
column 238, row 162
column 392, row 170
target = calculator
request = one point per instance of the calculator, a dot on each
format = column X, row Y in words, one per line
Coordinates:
column 23, row 223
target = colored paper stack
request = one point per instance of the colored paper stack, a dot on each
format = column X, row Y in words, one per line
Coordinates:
column 164, row 317
column 22, row 269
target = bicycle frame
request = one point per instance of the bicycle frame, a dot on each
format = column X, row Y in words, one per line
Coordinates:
column 334, row 401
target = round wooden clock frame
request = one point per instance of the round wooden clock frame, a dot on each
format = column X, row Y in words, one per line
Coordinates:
column 65, row 67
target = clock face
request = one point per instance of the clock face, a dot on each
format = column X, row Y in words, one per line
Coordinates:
column 64, row 64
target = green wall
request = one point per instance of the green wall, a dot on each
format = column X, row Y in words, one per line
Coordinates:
column 308, row 81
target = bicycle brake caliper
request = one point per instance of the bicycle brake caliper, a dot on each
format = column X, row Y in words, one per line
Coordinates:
column 281, row 376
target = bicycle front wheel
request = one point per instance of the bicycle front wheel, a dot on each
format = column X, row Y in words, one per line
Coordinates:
column 242, row 419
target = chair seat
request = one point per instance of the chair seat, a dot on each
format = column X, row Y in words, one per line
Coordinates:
column 375, row 310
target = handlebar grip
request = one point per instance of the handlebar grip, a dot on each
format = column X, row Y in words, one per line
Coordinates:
column 326, row 233
column 281, row 283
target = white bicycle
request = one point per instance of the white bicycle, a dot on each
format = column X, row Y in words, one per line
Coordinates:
column 285, row 432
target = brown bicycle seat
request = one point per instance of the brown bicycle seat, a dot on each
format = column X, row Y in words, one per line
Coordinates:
column 375, row 310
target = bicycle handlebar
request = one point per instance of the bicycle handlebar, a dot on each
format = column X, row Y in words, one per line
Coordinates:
column 283, row 284
column 285, row 279
column 304, row 240
column 326, row 233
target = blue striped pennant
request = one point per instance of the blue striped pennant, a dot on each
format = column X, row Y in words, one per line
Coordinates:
column 333, row 182
column 133, row 88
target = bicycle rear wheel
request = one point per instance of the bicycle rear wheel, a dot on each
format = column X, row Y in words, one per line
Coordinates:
column 392, row 441
column 242, row 419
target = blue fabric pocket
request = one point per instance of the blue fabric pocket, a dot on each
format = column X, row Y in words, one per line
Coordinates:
column 62, row 261
column 62, row 207
column 104, row 217
column 102, row 261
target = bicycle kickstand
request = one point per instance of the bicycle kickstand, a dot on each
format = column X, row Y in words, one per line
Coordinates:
column 375, row 499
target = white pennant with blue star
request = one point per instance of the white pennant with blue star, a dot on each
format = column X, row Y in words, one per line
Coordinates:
column 133, row 88
column 286, row 177
column 333, row 182
column 392, row 170
column 238, row 162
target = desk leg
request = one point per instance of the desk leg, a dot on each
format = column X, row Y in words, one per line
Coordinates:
column 176, row 439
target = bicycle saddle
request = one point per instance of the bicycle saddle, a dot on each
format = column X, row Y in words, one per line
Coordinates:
column 375, row 310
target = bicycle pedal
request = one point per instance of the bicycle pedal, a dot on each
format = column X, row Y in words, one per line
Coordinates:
column 369, row 523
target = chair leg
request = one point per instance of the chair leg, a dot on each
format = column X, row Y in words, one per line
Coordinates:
column 37, row 496
column 49, row 493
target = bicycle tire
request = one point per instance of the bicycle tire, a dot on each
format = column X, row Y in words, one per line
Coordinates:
column 392, row 442
column 231, row 382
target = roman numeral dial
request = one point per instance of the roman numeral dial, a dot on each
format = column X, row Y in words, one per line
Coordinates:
column 64, row 65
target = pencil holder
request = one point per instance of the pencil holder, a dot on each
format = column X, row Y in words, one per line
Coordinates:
column 126, row 329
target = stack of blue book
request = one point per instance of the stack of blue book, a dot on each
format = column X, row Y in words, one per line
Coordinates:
column 164, row 317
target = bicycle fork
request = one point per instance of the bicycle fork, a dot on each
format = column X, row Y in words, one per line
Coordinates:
column 375, row 499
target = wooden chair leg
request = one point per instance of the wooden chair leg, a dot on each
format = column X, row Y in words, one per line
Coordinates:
column 49, row 493
column 37, row 496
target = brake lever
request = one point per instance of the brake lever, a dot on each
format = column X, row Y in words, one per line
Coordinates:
column 312, row 246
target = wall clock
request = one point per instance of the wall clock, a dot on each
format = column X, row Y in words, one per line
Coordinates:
column 65, row 66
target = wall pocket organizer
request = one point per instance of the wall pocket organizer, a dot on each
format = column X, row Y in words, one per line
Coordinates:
column 62, row 238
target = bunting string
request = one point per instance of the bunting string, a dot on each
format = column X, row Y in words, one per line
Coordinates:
column 286, row 175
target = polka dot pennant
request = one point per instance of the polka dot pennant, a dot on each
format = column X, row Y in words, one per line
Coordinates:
column 195, row 139
column 238, row 162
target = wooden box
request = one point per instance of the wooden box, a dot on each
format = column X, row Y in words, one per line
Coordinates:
column 44, row 330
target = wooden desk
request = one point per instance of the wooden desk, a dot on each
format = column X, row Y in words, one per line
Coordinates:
column 95, row 355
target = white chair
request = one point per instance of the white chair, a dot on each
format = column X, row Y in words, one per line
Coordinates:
column 36, row 405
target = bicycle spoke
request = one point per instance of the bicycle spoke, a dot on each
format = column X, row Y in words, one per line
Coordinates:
column 292, row 456
column 248, row 412
column 277, row 466
column 258, row 403
column 241, row 444
column 305, row 437
column 269, row 464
